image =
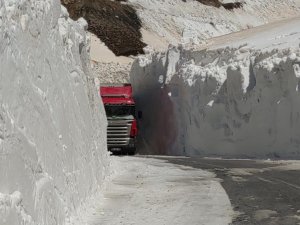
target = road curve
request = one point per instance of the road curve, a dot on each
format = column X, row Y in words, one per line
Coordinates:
column 261, row 192
column 147, row 191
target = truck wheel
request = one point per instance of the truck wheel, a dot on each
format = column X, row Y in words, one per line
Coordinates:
column 131, row 151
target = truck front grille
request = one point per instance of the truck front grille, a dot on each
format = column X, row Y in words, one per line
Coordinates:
column 118, row 133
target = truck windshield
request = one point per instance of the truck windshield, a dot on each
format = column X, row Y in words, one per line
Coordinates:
column 119, row 110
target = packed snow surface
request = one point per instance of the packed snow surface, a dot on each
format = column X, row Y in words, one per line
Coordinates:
column 52, row 125
column 235, row 95
column 152, row 192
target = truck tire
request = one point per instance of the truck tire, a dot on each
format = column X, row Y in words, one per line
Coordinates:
column 131, row 151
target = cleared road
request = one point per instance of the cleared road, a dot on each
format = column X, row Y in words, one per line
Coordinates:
column 193, row 191
column 154, row 192
column 261, row 192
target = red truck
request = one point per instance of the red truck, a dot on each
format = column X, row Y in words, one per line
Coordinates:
column 120, row 110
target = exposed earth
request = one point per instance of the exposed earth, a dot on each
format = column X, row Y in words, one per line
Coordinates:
column 117, row 23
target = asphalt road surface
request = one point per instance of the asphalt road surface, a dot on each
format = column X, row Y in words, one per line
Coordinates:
column 261, row 192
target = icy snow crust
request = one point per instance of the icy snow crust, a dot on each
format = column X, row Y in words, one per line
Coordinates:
column 241, row 100
column 52, row 125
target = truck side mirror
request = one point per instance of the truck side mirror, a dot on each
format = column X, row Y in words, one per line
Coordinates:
column 140, row 114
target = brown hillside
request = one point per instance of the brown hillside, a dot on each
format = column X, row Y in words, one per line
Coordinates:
column 116, row 24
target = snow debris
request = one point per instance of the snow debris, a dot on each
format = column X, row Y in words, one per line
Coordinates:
column 52, row 124
column 111, row 72
column 13, row 201
column 231, row 99
column 211, row 103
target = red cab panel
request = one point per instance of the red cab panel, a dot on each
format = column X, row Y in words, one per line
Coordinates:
column 116, row 94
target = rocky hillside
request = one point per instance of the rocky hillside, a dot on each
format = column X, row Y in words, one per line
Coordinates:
column 126, row 27
column 116, row 24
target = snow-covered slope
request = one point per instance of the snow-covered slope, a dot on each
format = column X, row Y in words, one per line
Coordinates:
column 236, row 96
column 167, row 22
column 52, row 124
column 175, row 21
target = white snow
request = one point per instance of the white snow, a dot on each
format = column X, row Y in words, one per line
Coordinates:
column 176, row 21
column 153, row 192
column 235, row 95
column 53, row 153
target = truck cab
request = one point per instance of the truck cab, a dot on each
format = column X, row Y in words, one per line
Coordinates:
column 121, row 115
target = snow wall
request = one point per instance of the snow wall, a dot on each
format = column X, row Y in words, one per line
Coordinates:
column 52, row 124
column 231, row 102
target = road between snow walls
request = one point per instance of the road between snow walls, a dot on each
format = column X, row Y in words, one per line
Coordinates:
column 52, row 125
column 148, row 191
column 237, row 96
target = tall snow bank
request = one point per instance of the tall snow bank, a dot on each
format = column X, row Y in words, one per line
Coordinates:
column 52, row 124
column 241, row 100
